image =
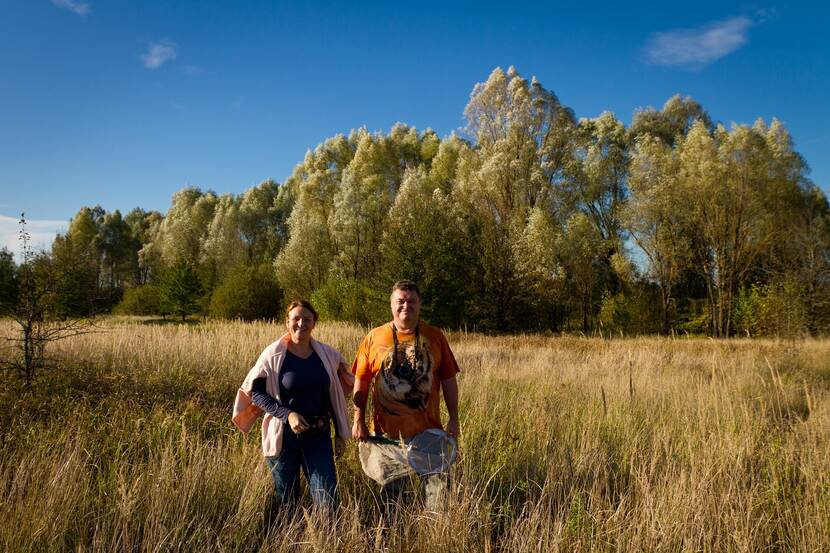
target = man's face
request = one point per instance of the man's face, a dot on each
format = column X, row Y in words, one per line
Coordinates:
column 406, row 308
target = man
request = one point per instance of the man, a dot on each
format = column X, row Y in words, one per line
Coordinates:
column 411, row 361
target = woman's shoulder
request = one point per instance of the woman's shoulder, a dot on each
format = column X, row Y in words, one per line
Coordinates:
column 274, row 348
column 326, row 348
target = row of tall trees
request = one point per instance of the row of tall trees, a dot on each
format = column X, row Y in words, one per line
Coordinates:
column 532, row 220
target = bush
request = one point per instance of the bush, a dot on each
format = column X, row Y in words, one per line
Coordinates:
column 249, row 293
column 636, row 311
column 774, row 309
column 345, row 299
column 141, row 300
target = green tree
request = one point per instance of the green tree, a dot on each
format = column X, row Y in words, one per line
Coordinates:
column 34, row 313
column 303, row 264
column 8, row 279
column 519, row 129
column 223, row 248
column 672, row 123
column 656, row 219
column 263, row 217
column 582, row 249
column 74, row 278
column 424, row 240
column 118, row 252
column 540, row 268
column 181, row 290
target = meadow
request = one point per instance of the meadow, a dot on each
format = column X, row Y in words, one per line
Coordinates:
column 569, row 444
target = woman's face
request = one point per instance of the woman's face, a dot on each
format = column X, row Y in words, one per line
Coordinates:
column 300, row 323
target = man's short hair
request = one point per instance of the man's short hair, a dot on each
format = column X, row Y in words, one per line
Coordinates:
column 406, row 286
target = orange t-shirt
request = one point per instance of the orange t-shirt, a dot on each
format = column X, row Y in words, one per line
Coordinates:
column 406, row 394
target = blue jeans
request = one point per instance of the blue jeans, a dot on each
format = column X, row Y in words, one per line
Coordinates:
column 312, row 452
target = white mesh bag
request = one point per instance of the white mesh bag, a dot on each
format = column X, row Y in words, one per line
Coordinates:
column 430, row 452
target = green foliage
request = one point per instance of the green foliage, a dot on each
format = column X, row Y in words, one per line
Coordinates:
column 181, row 290
column 74, row 278
column 344, row 299
column 524, row 224
column 36, row 312
column 248, row 293
column 140, row 300
column 8, row 280
column 774, row 309
column 634, row 311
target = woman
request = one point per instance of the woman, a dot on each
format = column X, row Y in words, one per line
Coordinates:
column 299, row 383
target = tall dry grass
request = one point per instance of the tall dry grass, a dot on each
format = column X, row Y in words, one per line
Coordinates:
column 570, row 444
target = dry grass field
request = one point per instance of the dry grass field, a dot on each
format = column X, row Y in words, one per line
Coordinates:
column 570, row 444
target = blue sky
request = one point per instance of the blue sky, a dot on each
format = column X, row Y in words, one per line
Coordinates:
column 123, row 103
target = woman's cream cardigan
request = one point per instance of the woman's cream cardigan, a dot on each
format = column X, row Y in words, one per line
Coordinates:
column 268, row 366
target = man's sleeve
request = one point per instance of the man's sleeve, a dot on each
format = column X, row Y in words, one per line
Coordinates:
column 362, row 367
column 448, row 367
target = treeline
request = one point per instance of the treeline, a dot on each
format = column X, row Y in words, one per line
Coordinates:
column 534, row 221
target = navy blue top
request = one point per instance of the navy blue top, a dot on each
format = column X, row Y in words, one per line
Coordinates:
column 304, row 388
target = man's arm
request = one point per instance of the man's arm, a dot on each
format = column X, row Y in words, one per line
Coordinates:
column 450, row 388
column 346, row 378
column 360, row 397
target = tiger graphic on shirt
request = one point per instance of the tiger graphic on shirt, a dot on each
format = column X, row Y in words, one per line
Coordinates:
column 405, row 381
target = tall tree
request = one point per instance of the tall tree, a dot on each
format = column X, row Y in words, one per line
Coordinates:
column 517, row 127
column 263, row 216
column 118, row 254
column 672, row 123
column 223, row 248
column 144, row 226
column 656, row 218
column 424, row 240
column 303, row 264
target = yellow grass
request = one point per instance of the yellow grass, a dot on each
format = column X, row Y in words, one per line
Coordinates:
column 570, row 444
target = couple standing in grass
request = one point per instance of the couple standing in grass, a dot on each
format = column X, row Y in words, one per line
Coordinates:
column 300, row 385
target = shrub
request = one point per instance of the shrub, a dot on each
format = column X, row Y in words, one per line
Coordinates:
column 346, row 299
column 140, row 300
column 636, row 311
column 249, row 293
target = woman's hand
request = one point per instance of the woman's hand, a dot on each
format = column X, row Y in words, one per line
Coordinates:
column 339, row 447
column 297, row 423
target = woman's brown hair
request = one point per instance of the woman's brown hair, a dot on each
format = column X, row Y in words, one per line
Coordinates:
column 305, row 304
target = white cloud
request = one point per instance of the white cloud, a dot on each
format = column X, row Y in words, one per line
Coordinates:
column 158, row 53
column 697, row 48
column 81, row 8
column 41, row 233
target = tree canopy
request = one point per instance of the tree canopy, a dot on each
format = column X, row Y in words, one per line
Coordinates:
column 531, row 219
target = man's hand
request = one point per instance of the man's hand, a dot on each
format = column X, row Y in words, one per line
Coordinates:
column 453, row 428
column 339, row 447
column 297, row 423
column 359, row 430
